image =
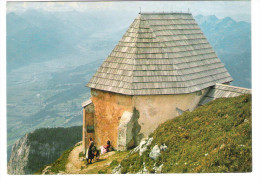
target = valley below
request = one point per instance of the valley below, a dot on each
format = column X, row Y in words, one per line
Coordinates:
column 48, row 95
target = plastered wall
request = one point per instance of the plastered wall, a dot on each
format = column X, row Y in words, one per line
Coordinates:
column 109, row 108
column 156, row 109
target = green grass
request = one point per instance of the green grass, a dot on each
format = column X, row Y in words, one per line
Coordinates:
column 114, row 163
column 215, row 137
column 60, row 163
column 81, row 154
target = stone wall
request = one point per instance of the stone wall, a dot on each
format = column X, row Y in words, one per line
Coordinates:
column 109, row 107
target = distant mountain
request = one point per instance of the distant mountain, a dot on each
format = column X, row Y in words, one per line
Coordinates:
column 36, row 36
column 41, row 147
column 232, row 42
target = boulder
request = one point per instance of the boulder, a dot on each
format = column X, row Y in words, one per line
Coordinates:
column 142, row 147
column 144, row 144
column 155, row 152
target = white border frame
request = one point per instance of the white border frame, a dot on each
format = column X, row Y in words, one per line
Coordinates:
column 255, row 175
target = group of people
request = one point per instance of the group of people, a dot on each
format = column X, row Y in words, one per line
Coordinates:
column 94, row 152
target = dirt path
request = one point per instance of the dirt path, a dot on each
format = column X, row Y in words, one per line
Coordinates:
column 76, row 166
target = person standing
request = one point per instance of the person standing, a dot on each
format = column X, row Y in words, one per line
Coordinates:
column 91, row 151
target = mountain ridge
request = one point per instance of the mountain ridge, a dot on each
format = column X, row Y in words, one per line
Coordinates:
column 40, row 147
column 231, row 41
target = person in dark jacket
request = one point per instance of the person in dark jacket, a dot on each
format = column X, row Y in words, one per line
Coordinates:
column 91, row 151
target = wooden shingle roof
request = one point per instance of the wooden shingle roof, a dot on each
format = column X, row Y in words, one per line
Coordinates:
column 161, row 53
column 221, row 90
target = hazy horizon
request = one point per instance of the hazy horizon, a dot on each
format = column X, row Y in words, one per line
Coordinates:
column 237, row 10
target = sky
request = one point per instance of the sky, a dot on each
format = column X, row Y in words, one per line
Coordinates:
column 237, row 10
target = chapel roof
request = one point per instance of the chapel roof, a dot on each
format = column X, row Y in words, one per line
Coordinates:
column 161, row 53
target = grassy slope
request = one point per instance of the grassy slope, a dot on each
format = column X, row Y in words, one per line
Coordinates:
column 214, row 138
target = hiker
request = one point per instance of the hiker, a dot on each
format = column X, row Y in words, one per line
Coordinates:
column 91, row 151
column 105, row 149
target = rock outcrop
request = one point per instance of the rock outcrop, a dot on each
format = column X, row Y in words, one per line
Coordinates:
column 41, row 147
column 142, row 147
column 155, row 152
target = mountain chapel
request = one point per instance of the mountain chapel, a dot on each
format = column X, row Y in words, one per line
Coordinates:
column 162, row 66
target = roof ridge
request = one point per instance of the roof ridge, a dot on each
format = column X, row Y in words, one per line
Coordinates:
column 135, row 52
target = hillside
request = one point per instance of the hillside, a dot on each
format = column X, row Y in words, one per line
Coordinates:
column 41, row 147
column 215, row 137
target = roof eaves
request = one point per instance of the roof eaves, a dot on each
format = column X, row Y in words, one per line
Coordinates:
column 86, row 103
